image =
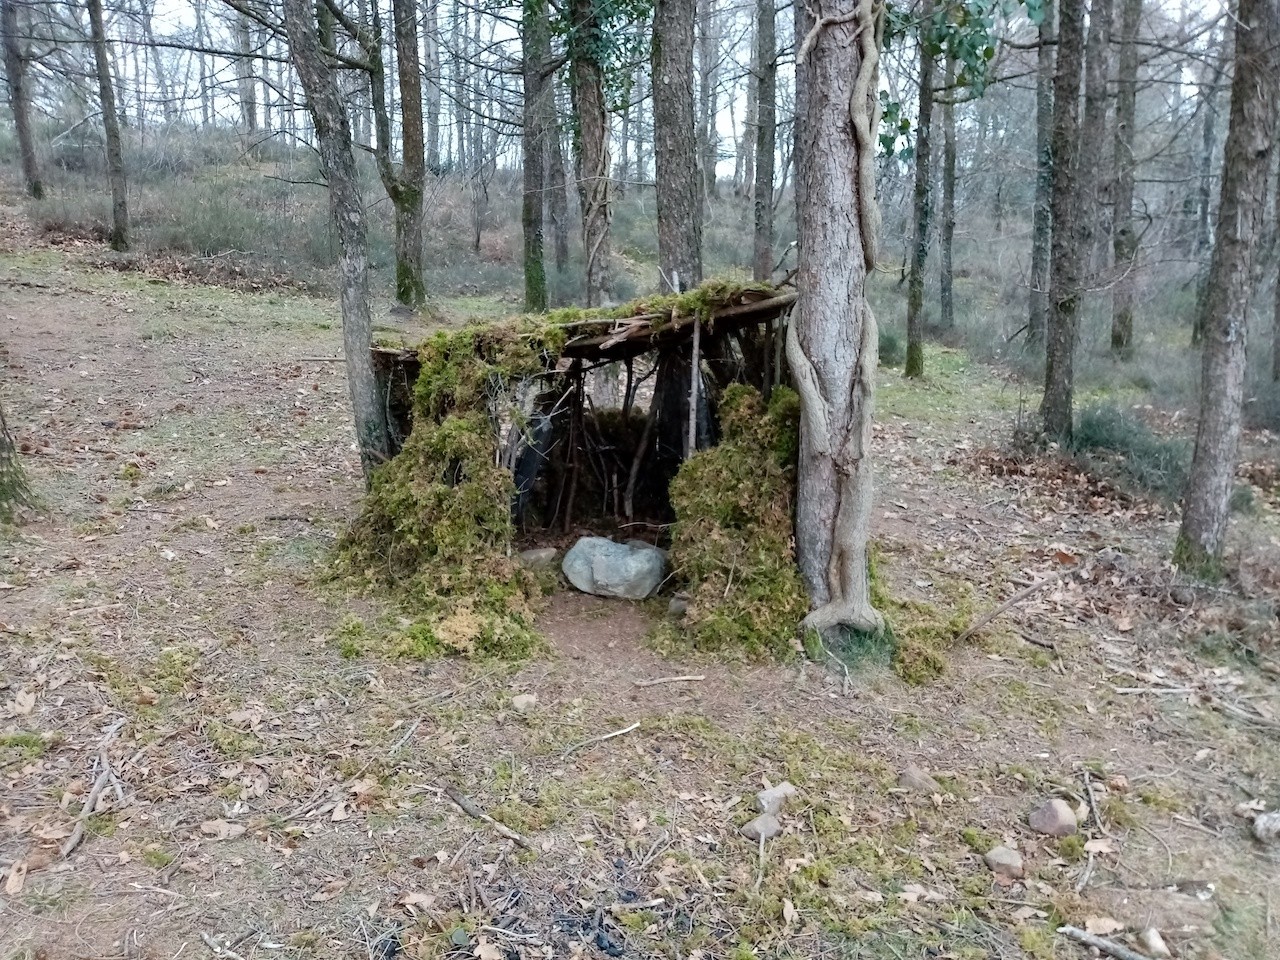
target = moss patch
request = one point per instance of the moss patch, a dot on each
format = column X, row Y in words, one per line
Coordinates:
column 732, row 543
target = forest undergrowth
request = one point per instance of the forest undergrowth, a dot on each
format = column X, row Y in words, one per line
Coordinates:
column 201, row 721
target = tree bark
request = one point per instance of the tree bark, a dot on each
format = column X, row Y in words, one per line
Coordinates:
column 946, row 289
column 922, row 203
column 337, row 161
column 766, row 82
column 591, row 142
column 15, row 70
column 747, row 143
column 558, row 202
column 1070, row 227
column 536, row 42
column 411, row 179
column 831, row 340
column 675, row 147
column 431, row 69
column 246, row 83
column 1255, row 92
column 1042, row 217
column 1094, row 184
column 708, row 76
column 119, row 236
column 1124, row 235
column 1204, row 200
column 1275, row 316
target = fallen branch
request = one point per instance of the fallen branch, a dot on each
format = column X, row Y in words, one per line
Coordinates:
column 691, row 678
column 219, row 950
column 1015, row 599
column 91, row 801
column 1109, row 947
column 468, row 806
column 413, row 728
column 618, row 908
column 606, row 736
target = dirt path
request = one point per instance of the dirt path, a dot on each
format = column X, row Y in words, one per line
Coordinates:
column 266, row 792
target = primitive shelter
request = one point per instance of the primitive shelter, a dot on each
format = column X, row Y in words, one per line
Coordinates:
column 592, row 412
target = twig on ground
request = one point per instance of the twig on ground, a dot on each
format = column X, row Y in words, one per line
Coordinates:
column 219, row 950
column 691, row 678
column 1015, row 599
column 413, row 727
column 607, row 736
column 91, row 801
column 618, row 908
column 513, row 935
column 1085, row 874
column 760, row 865
column 1109, row 947
column 1093, row 805
column 468, row 806
column 658, row 846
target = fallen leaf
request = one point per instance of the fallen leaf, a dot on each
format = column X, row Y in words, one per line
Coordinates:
column 24, row 702
column 415, row 900
column 789, row 913
column 1099, row 845
column 1102, row 926
column 17, row 877
column 330, row 890
column 147, row 696
column 488, row 951
column 221, row 830
column 340, row 811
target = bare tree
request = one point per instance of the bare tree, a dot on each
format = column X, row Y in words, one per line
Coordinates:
column 539, row 107
column 591, row 143
column 675, row 146
column 922, row 207
column 765, row 80
column 946, row 291
column 831, row 343
column 1042, row 217
column 337, row 161
column 15, row 71
column 1251, row 133
column 1125, row 230
column 1070, row 227
column 119, row 236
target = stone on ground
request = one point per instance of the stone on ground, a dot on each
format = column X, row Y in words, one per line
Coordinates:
column 772, row 800
column 1266, row 827
column 1054, row 818
column 524, row 702
column 1004, row 862
column 1151, row 941
column 539, row 557
column 763, row 827
column 918, row 781
column 629, row 571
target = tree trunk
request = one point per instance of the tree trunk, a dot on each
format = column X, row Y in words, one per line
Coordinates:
column 558, row 202
column 591, row 143
column 1275, row 316
column 1255, row 90
column 411, row 183
column 1093, row 182
column 831, row 341
column 750, row 126
column 168, row 103
column 202, row 38
column 675, row 147
column 431, row 69
column 922, row 204
column 1070, row 227
column 536, row 42
column 119, row 237
column 765, row 81
column 1204, row 233
column 946, row 292
column 708, row 70
column 15, row 70
column 1042, row 218
column 246, row 83
column 1124, row 235
column 337, row 161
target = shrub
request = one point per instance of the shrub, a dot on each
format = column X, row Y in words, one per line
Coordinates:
column 1120, row 446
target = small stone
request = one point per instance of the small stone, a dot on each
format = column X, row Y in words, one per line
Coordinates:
column 1004, row 862
column 917, row 781
column 772, row 800
column 539, row 557
column 763, row 827
column 524, row 702
column 1053, row 818
column 629, row 571
column 1151, row 941
column 1266, row 827
column 677, row 608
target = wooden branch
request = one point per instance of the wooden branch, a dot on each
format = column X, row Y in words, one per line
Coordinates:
column 91, row 801
column 608, row 736
column 1015, row 599
column 468, row 806
column 691, row 678
column 1109, row 947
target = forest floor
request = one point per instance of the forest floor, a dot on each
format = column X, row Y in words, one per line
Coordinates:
column 263, row 795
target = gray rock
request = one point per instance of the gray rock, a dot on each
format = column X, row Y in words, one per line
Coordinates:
column 763, row 827
column 772, row 800
column 1266, row 827
column 1151, row 941
column 677, row 608
column 524, row 702
column 917, row 781
column 539, row 557
column 631, row 571
column 1004, row 862
column 1053, row 818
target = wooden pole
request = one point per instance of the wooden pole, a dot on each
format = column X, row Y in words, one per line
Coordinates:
column 694, row 376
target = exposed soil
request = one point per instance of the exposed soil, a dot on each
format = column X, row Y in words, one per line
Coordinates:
column 267, row 796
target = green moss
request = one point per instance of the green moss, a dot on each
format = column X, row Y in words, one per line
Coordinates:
column 28, row 745
column 732, row 542
column 156, row 858
column 979, row 841
column 1071, row 848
